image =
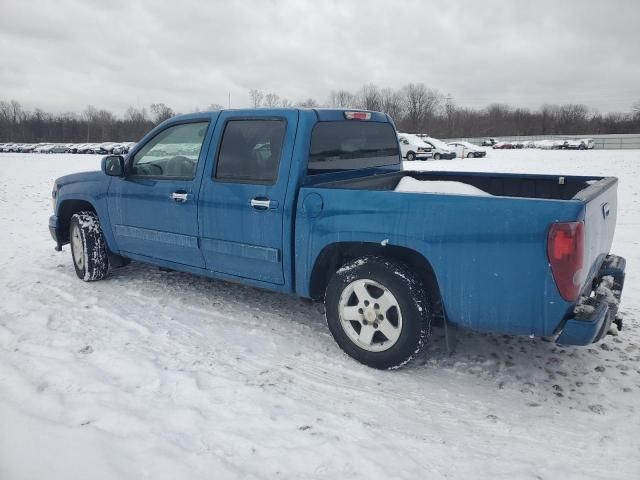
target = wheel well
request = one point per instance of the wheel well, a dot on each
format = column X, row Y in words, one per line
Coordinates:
column 66, row 210
column 337, row 254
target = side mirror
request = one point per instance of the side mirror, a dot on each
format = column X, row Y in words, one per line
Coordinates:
column 113, row 165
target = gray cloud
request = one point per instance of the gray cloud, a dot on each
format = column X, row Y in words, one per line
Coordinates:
column 62, row 55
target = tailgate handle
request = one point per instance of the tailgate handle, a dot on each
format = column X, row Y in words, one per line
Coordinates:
column 605, row 210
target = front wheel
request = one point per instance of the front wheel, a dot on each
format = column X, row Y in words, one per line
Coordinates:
column 436, row 156
column 88, row 248
column 377, row 311
column 470, row 155
column 411, row 156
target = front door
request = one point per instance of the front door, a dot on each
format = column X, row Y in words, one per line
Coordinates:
column 242, row 198
column 153, row 209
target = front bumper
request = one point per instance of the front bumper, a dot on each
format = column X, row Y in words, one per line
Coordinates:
column 593, row 315
column 55, row 233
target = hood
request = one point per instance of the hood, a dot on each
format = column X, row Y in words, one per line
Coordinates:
column 96, row 176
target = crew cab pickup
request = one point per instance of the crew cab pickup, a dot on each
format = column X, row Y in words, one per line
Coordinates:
column 312, row 202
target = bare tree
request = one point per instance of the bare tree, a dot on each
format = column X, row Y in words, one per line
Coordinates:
column 342, row 99
column 450, row 115
column 161, row 112
column 413, row 108
column 271, row 100
column 256, row 97
column 369, row 97
column 392, row 103
column 308, row 103
column 89, row 115
column 136, row 115
column 421, row 104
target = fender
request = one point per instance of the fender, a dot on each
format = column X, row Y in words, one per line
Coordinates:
column 93, row 192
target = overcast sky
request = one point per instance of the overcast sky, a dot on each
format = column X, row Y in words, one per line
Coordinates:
column 61, row 55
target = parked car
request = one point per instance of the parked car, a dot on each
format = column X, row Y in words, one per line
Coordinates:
column 413, row 148
column 503, row 146
column 466, row 149
column 329, row 213
column 43, row 148
column 123, row 148
column 87, row 148
column 439, row 149
column 489, row 142
column 579, row 144
column 59, row 148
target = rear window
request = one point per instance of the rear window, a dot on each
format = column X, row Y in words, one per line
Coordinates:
column 350, row 145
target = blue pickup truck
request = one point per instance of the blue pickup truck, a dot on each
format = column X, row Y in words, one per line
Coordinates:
column 307, row 202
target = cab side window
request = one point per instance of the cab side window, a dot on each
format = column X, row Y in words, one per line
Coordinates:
column 250, row 151
column 172, row 153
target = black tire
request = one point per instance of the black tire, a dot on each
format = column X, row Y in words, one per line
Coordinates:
column 470, row 155
column 88, row 248
column 411, row 156
column 413, row 305
column 436, row 156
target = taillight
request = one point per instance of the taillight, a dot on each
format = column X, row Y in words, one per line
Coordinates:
column 565, row 248
column 357, row 115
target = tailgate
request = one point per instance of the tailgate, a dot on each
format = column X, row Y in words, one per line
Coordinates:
column 601, row 205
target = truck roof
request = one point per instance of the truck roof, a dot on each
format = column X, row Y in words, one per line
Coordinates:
column 322, row 114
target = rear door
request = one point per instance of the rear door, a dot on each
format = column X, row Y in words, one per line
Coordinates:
column 242, row 197
column 153, row 209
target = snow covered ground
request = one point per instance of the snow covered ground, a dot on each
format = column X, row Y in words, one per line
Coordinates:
column 162, row 375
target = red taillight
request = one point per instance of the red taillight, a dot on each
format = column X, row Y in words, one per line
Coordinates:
column 565, row 248
column 357, row 115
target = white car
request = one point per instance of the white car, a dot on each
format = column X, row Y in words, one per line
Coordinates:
column 580, row 144
column 413, row 147
column 469, row 150
column 439, row 149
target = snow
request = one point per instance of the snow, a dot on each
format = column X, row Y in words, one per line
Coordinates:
column 410, row 184
column 164, row 375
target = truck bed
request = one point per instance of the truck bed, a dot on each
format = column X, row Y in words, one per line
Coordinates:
column 488, row 253
column 554, row 187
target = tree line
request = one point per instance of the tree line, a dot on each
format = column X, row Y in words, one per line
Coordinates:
column 415, row 108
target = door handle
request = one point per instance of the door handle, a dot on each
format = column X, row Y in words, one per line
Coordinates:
column 180, row 197
column 261, row 203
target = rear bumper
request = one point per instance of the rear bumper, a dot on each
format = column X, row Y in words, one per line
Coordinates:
column 593, row 315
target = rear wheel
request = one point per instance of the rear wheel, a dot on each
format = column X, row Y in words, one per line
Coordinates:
column 88, row 248
column 436, row 156
column 378, row 312
column 411, row 156
column 470, row 155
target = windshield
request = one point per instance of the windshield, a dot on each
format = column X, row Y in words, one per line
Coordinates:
column 413, row 139
column 351, row 145
column 437, row 143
